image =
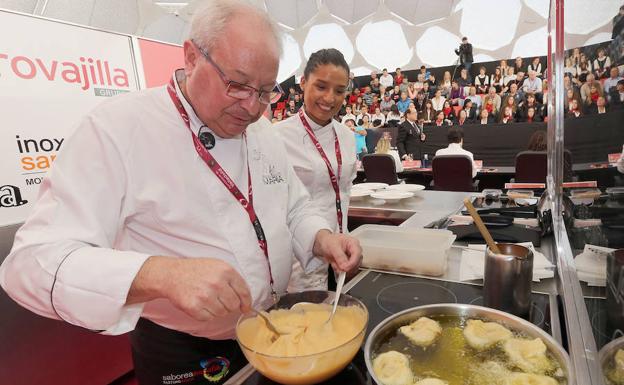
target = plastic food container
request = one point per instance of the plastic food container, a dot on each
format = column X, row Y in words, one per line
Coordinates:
column 583, row 193
column 515, row 194
column 493, row 194
column 414, row 251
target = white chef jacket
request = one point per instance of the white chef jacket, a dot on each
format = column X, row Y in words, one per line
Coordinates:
column 456, row 149
column 311, row 169
column 129, row 184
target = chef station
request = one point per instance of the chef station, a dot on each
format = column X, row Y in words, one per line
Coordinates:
column 523, row 285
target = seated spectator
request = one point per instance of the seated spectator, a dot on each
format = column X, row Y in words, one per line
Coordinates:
column 538, row 141
column 405, row 86
column 496, row 80
column 367, row 97
column 351, row 85
column 429, row 113
column 464, row 80
column 574, row 109
column 396, row 94
column 531, row 115
column 448, row 111
column 600, row 107
column 587, row 88
column 384, row 147
column 378, row 119
column 602, row 64
column 476, row 99
column 533, row 84
column 592, row 98
column 456, row 96
column 360, row 137
column 490, row 107
column 403, row 103
column 438, row 100
column 342, row 111
column 357, row 106
column 482, row 81
column 348, row 115
column 484, row 117
column 494, row 97
column 298, row 101
column 441, row 121
column 571, row 95
column 394, row 116
column 462, row 118
column 612, row 81
column 291, row 93
column 509, row 77
column 569, row 69
column 445, row 85
column 412, row 91
column 583, row 68
column 519, row 65
column 514, row 93
column 398, row 77
column 524, row 106
column 375, row 86
column 423, row 70
column 432, row 82
column 373, row 76
column 616, row 96
column 363, row 113
column 428, row 90
column 455, row 138
column 503, row 67
column 420, row 100
column 387, row 103
column 536, row 66
column 355, row 94
column 292, row 108
column 471, row 111
column 386, row 79
column 507, row 116
column 420, row 82
column 374, row 104
column 279, row 116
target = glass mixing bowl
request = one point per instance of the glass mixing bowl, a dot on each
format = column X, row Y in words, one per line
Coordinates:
column 306, row 369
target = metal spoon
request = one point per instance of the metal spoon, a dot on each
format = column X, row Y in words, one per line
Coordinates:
column 267, row 320
column 339, row 284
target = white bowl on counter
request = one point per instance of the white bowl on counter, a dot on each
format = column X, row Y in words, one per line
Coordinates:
column 359, row 194
column 392, row 196
column 370, row 186
column 412, row 188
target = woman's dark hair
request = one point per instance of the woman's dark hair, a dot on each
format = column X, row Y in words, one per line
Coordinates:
column 323, row 57
column 537, row 142
column 394, row 109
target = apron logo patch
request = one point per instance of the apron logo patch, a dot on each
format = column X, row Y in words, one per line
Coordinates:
column 215, row 369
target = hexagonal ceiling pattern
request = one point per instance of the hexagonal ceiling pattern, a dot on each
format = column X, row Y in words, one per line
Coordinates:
column 370, row 33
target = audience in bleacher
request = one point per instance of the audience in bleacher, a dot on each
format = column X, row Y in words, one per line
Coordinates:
column 593, row 85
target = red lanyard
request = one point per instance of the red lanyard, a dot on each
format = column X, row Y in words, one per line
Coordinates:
column 335, row 179
column 220, row 173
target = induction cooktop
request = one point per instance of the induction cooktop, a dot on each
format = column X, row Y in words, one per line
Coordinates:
column 385, row 294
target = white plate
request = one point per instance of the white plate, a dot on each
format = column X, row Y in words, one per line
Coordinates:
column 370, row 186
column 359, row 194
column 392, row 196
column 413, row 188
column 525, row 201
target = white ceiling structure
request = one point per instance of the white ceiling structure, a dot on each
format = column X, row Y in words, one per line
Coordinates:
column 372, row 34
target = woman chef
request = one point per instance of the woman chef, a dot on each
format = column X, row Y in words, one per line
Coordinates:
column 322, row 150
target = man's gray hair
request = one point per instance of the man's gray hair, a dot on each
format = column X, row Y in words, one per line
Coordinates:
column 210, row 20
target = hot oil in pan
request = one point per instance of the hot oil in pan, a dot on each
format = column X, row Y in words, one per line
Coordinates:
column 451, row 359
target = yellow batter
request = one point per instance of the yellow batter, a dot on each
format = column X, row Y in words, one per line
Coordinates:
column 308, row 331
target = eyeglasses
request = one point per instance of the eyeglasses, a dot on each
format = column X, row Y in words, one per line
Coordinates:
column 242, row 91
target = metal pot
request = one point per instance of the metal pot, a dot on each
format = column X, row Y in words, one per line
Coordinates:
column 608, row 351
column 392, row 323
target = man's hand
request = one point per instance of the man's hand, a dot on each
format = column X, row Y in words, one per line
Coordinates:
column 204, row 288
column 343, row 252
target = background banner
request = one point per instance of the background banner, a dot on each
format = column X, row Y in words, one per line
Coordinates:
column 51, row 75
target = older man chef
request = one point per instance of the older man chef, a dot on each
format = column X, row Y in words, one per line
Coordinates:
column 163, row 233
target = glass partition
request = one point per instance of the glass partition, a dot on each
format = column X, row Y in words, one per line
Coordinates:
column 586, row 137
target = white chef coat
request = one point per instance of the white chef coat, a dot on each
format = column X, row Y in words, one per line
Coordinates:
column 456, row 149
column 386, row 80
column 129, row 184
column 311, row 169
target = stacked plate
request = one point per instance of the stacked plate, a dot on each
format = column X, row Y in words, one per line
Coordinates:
column 358, row 194
column 392, row 195
column 370, row 186
column 411, row 188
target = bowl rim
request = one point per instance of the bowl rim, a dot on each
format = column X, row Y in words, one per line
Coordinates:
column 609, row 349
column 363, row 330
column 369, row 340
